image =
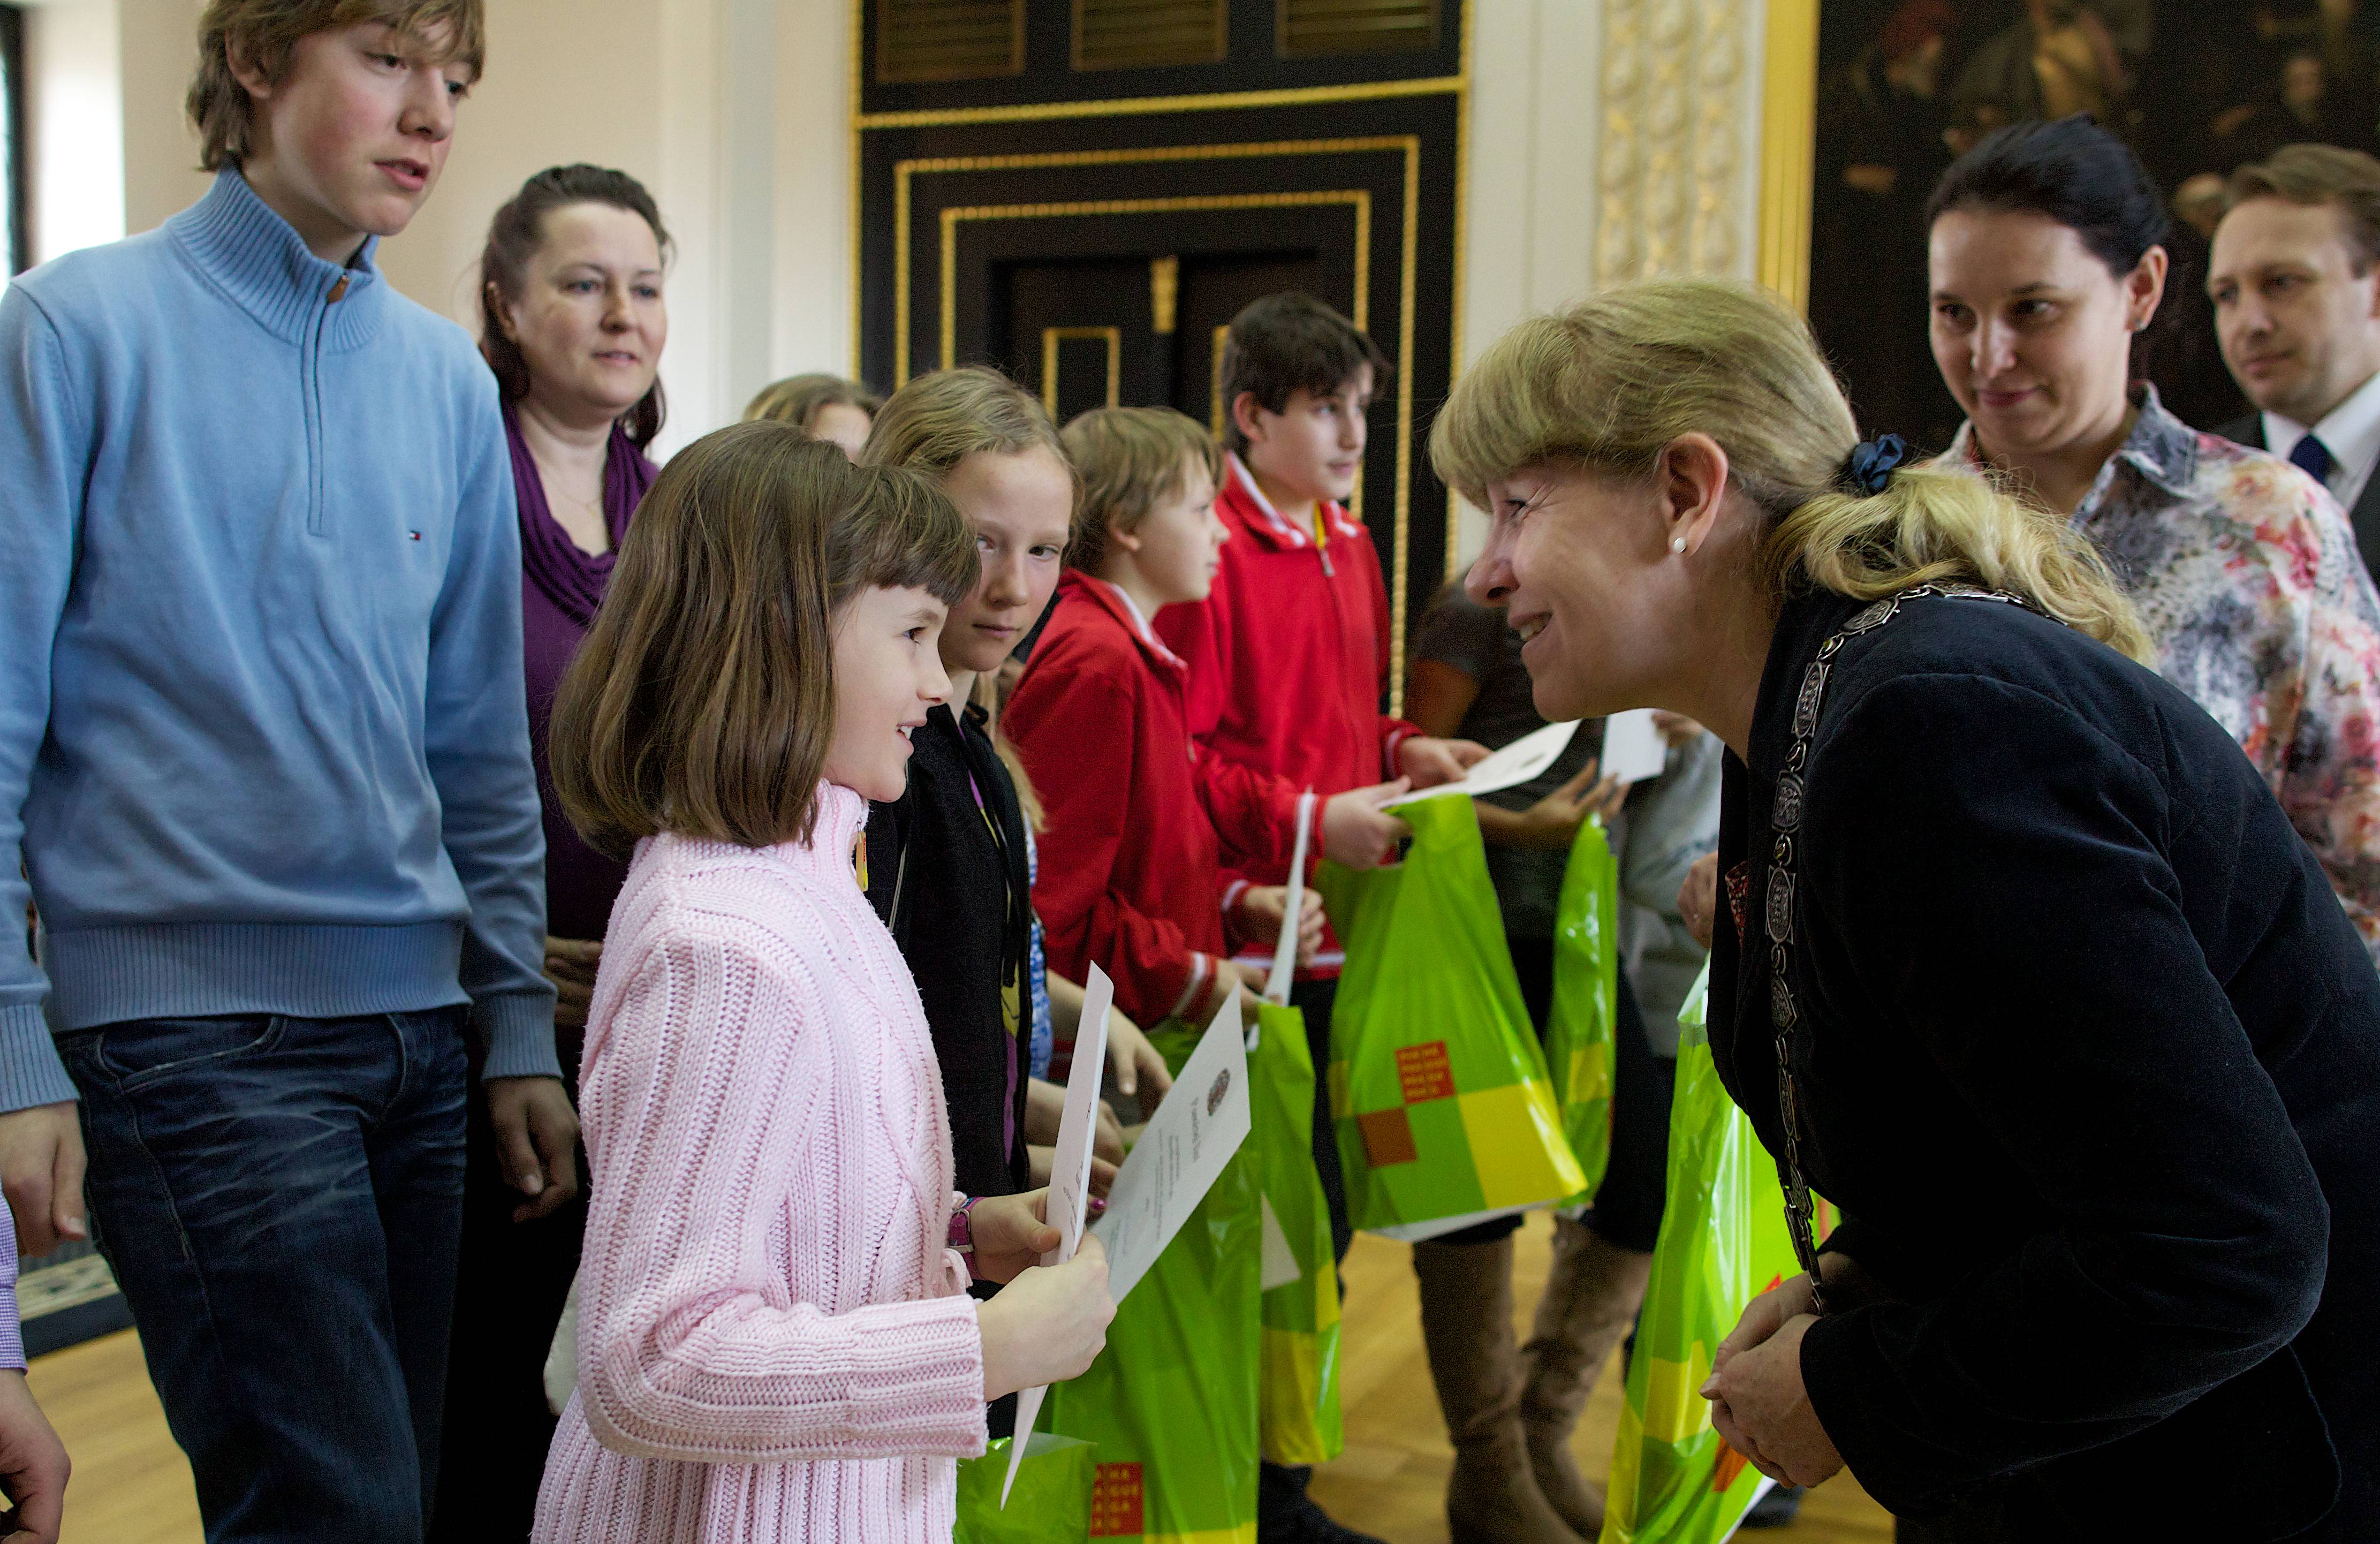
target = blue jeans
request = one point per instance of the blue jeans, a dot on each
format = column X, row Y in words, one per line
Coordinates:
column 281, row 1200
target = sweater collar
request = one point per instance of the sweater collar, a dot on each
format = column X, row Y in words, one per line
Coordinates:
column 833, row 843
column 1110, row 599
column 255, row 257
column 1257, row 514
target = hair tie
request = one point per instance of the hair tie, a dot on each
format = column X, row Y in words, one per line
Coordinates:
column 1873, row 461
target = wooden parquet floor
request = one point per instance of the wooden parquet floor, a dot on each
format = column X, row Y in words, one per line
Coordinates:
column 1391, row 1479
column 132, row 1485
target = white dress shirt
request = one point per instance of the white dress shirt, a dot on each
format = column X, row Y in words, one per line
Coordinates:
column 2350, row 431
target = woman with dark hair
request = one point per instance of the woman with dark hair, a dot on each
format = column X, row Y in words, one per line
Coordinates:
column 573, row 324
column 2045, row 256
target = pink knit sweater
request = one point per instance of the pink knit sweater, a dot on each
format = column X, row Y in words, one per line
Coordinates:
column 774, row 1342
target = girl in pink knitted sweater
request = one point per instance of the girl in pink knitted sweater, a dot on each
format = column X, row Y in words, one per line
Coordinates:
column 774, row 1338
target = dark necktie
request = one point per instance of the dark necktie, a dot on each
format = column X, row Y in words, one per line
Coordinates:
column 2314, row 457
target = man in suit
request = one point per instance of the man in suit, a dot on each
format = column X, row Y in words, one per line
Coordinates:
column 2295, row 278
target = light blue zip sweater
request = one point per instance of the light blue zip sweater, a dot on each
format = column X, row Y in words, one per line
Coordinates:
column 263, row 739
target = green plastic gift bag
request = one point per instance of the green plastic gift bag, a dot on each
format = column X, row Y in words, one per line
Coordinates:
column 1052, row 1500
column 1579, row 1026
column 1298, row 1388
column 1723, row 1242
column 1439, row 1090
column 1171, row 1404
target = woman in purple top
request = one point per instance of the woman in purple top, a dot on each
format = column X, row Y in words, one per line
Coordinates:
column 573, row 325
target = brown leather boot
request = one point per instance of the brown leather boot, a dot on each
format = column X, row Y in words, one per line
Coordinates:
column 1592, row 1294
column 1467, row 1322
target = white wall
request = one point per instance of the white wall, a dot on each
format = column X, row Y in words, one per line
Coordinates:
column 74, row 127
column 1610, row 139
column 733, row 112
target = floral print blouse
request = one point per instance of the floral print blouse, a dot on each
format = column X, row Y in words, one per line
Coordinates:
column 2245, row 572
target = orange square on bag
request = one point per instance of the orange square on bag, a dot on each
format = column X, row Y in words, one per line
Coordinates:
column 1424, row 1072
column 1116, row 1501
column 1387, row 1137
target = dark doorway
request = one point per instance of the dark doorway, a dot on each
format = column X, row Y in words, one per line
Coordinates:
column 1138, row 332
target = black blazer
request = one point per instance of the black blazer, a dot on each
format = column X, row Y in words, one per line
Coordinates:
column 2364, row 517
column 963, row 920
column 2090, row 1059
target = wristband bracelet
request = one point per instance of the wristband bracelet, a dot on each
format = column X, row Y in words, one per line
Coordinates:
column 963, row 1227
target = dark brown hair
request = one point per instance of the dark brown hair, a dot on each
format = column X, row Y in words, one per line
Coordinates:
column 514, row 237
column 2348, row 180
column 703, row 701
column 1288, row 342
column 1130, row 460
column 260, row 33
column 797, row 398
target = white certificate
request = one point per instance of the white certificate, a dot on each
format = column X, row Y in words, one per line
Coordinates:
column 1070, row 1174
column 1193, row 1135
column 1633, row 751
column 1508, row 768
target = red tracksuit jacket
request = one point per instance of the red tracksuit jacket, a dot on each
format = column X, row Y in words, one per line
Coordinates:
column 1289, row 657
column 1139, row 815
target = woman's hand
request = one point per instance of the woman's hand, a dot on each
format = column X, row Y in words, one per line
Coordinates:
column 1763, row 1411
column 570, row 965
column 1764, row 1315
column 1049, row 1324
column 1698, row 898
column 1263, row 907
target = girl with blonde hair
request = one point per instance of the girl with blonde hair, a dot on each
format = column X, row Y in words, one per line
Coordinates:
column 2014, row 941
column 823, row 406
column 951, row 862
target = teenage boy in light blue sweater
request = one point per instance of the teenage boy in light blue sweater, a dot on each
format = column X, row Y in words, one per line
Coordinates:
column 264, row 753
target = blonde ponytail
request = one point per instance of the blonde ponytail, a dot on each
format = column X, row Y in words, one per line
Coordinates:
column 1609, row 382
column 1935, row 525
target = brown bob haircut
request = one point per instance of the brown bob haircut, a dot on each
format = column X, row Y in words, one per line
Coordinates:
column 2348, row 180
column 261, row 34
column 703, row 701
column 1130, row 460
column 1287, row 343
column 797, row 398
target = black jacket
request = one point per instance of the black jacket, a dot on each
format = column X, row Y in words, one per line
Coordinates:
column 2364, row 517
column 963, row 920
column 2089, row 1057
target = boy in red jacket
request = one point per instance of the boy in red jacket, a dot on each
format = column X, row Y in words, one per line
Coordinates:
column 1289, row 658
column 1141, row 819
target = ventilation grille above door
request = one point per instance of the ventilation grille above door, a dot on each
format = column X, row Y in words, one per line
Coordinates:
column 1310, row 28
column 949, row 40
column 1135, row 34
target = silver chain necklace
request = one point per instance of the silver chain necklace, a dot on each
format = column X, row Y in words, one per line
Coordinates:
column 1785, row 821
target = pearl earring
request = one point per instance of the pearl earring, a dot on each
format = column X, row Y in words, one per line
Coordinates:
column 1678, row 545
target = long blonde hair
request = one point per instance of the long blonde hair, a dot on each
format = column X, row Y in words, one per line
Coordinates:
column 1609, row 382
column 935, row 422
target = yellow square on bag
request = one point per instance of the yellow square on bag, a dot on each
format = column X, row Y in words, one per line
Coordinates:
column 1516, row 1145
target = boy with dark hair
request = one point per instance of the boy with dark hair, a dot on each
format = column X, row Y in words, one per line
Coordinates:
column 264, row 755
column 1140, row 817
column 1288, row 660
